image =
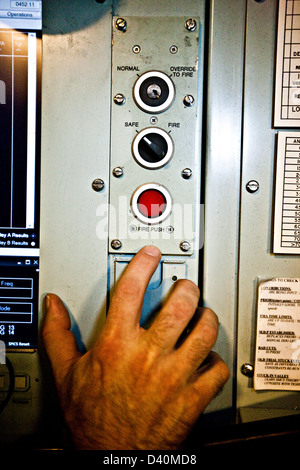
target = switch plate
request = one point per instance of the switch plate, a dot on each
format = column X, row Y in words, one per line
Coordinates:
column 165, row 47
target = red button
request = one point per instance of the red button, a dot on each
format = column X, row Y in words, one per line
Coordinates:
column 152, row 203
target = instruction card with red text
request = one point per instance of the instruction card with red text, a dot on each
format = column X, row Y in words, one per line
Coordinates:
column 277, row 361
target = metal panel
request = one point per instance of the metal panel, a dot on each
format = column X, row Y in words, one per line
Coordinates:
column 222, row 182
column 256, row 258
column 75, row 151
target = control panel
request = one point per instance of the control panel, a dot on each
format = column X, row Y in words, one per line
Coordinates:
column 156, row 117
column 155, row 161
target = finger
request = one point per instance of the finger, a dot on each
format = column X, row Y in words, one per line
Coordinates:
column 198, row 343
column 175, row 315
column 59, row 341
column 127, row 301
column 207, row 383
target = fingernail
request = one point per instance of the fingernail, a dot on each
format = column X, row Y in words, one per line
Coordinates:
column 152, row 251
column 47, row 302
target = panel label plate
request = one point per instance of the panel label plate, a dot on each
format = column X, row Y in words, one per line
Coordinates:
column 277, row 362
column 287, row 197
column 287, row 89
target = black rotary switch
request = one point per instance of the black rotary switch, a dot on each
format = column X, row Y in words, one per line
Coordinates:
column 153, row 148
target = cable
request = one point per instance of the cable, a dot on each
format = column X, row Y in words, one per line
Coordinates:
column 11, row 387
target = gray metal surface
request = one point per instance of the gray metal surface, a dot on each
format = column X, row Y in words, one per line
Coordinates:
column 256, row 261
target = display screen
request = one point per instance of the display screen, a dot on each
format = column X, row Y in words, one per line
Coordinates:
column 20, row 115
column 19, row 281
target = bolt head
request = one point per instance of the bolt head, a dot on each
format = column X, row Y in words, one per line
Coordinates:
column 247, row 370
column 116, row 244
column 185, row 246
column 119, row 99
column 118, row 172
column 252, row 186
column 121, row 24
column 191, row 25
column 186, row 173
column 98, row 184
column 188, row 101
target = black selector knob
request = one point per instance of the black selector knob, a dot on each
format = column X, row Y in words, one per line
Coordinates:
column 153, row 148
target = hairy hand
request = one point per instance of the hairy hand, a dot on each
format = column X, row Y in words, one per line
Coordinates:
column 136, row 388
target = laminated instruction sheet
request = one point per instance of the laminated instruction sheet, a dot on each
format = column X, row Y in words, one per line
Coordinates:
column 277, row 361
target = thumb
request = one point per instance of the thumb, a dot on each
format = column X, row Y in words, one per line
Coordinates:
column 59, row 341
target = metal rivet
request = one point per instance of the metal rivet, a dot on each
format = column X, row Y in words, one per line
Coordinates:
column 118, row 172
column 136, row 49
column 191, row 25
column 252, row 186
column 247, row 369
column 186, row 173
column 188, row 101
column 119, row 99
column 185, row 246
column 173, row 49
column 98, row 184
column 116, row 244
column 121, row 24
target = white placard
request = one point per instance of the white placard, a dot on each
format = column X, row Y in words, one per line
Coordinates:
column 287, row 82
column 277, row 361
column 287, row 196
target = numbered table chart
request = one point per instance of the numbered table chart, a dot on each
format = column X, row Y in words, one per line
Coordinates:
column 287, row 201
column 287, row 96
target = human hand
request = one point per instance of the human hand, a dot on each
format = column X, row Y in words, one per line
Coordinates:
column 136, row 389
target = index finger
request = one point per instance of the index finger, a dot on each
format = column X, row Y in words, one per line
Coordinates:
column 127, row 300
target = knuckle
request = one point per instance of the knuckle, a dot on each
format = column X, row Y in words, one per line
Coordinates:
column 189, row 286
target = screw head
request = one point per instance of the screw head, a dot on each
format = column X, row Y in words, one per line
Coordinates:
column 136, row 49
column 252, row 186
column 247, row 369
column 153, row 120
column 98, row 184
column 118, row 172
column 188, row 101
column 121, row 24
column 116, row 244
column 185, row 246
column 119, row 99
column 173, row 49
column 191, row 25
column 186, row 173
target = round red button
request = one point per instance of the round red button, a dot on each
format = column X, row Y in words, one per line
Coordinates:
column 151, row 203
